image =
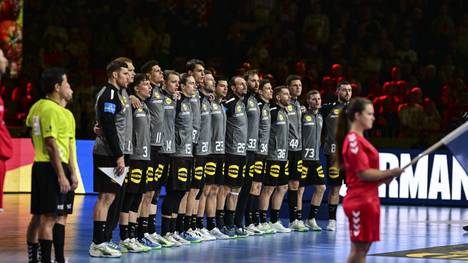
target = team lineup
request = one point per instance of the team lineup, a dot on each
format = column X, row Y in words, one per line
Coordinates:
column 226, row 150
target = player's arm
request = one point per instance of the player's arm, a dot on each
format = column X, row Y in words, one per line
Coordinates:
column 373, row 175
column 72, row 164
column 52, row 150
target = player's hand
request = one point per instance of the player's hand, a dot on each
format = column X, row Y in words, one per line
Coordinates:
column 303, row 109
column 64, row 185
column 120, row 168
column 136, row 103
column 211, row 97
column 96, row 129
column 74, row 182
column 395, row 172
column 176, row 95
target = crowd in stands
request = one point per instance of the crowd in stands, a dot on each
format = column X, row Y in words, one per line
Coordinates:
column 408, row 56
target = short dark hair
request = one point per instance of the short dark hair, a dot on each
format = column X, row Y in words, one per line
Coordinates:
column 208, row 72
column 278, row 89
column 169, row 72
column 184, row 77
column 124, row 60
column 312, row 92
column 220, row 78
column 232, row 81
column 146, row 68
column 114, row 66
column 250, row 73
column 192, row 63
column 139, row 77
column 343, row 82
column 50, row 77
column 291, row 78
column 263, row 82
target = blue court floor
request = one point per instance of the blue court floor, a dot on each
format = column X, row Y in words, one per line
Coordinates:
column 402, row 228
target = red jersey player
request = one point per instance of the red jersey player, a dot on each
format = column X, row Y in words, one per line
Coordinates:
column 363, row 177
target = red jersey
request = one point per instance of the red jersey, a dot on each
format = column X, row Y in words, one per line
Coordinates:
column 361, row 203
column 6, row 148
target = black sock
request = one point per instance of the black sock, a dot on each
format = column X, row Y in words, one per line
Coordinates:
column 292, row 201
column 332, row 211
column 263, row 216
column 255, row 212
column 99, row 232
column 165, row 226
column 180, row 226
column 173, row 223
column 32, row 252
column 46, row 248
column 59, row 242
column 313, row 211
column 187, row 222
column 142, row 226
column 274, row 215
column 299, row 214
column 132, row 230
column 151, row 224
column 229, row 218
column 123, row 232
column 193, row 222
column 210, row 223
column 200, row 222
column 220, row 218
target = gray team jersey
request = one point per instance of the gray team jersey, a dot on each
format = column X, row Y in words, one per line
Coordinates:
column 218, row 127
column 168, row 125
column 264, row 127
column 202, row 148
column 101, row 146
column 253, row 119
column 195, row 104
column 236, row 126
column 330, row 112
column 311, row 130
column 141, row 133
column 278, row 141
column 294, row 116
column 156, row 107
column 183, row 128
column 129, row 125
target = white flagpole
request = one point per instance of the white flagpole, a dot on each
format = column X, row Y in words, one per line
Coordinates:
column 447, row 139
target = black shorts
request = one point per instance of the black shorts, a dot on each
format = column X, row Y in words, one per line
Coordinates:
column 101, row 182
column 335, row 175
column 250, row 165
column 199, row 172
column 295, row 165
column 179, row 178
column 161, row 168
column 45, row 191
column 259, row 171
column 276, row 173
column 137, row 182
column 214, row 169
column 312, row 173
column 234, row 170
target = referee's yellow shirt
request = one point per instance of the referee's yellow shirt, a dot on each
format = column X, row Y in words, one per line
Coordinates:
column 48, row 119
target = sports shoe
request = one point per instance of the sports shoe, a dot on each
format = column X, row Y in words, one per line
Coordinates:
column 149, row 243
column 279, row 227
column 191, row 236
column 218, row 234
column 331, row 225
column 170, row 238
column 140, row 244
column 241, row 232
column 298, row 226
column 253, row 229
column 180, row 239
column 465, row 227
column 67, row 260
column 103, row 251
column 113, row 245
column 129, row 246
column 199, row 234
column 206, row 234
column 229, row 231
column 266, row 228
column 161, row 240
column 312, row 225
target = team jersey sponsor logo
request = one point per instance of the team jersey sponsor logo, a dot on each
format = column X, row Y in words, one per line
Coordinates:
column 109, row 107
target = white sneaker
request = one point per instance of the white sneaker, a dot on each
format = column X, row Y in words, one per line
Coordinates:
column 279, row 227
column 170, row 238
column 103, row 251
column 218, row 234
column 331, row 225
column 161, row 240
column 180, row 239
column 141, row 245
column 130, row 246
column 298, row 226
column 266, row 228
column 206, row 234
column 254, row 230
column 312, row 225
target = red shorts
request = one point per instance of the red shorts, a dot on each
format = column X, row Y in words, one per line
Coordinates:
column 364, row 218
